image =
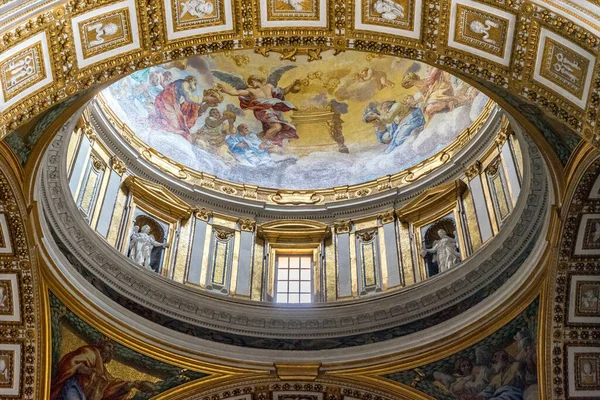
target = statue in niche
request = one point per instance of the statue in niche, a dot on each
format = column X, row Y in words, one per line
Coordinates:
column 445, row 251
column 141, row 245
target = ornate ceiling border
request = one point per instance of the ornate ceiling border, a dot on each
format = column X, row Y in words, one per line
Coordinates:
column 430, row 45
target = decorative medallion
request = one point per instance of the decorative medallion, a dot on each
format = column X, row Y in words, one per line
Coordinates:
column 105, row 32
column 584, row 299
column 564, row 66
column 24, row 69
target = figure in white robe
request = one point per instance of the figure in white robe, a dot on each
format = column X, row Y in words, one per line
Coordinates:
column 141, row 245
column 445, row 250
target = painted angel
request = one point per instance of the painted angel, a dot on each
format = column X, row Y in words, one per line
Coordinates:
column 265, row 99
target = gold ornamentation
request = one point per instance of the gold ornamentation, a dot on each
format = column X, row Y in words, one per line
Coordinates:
column 295, row 197
column 492, row 169
column 203, row 214
column 473, row 170
column 223, row 235
column 387, row 216
column 154, row 196
column 366, row 236
column 363, row 192
column 98, row 163
column 342, row 226
column 501, row 138
column 118, row 165
column 246, row 224
column 313, row 53
column 22, row 70
column 228, row 190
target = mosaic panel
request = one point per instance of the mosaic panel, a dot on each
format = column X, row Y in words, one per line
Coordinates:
column 80, row 351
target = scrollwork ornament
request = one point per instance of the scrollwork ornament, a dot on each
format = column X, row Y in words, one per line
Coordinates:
column 203, row 214
column 473, row 170
column 387, row 216
column 118, row 165
column 246, row 224
column 342, row 226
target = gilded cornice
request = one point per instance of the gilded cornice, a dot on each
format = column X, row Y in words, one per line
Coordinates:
column 158, row 197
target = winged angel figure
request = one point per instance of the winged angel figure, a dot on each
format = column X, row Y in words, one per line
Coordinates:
column 265, row 99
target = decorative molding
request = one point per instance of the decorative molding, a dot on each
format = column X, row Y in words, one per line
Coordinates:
column 294, row 230
column 117, row 165
column 473, row 170
column 431, row 200
column 342, row 226
column 203, row 214
column 387, row 216
column 246, row 224
column 156, row 196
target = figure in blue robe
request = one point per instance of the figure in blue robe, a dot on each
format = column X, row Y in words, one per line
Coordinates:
column 247, row 147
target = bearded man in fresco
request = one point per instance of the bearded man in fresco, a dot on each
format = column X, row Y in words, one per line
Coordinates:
column 82, row 375
column 178, row 106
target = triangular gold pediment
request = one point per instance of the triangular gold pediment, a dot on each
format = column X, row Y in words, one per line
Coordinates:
column 431, row 201
column 157, row 197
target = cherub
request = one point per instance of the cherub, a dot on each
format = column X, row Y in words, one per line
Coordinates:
column 265, row 99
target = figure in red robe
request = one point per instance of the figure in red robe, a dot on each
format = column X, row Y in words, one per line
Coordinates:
column 178, row 106
column 82, row 375
column 265, row 99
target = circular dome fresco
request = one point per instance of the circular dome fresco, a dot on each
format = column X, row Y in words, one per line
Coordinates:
column 341, row 120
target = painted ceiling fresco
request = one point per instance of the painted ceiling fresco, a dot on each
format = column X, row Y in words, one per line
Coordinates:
column 341, row 120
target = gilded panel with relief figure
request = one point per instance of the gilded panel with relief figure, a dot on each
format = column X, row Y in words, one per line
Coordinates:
column 105, row 32
column 584, row 371
column 392, row 13
column 191, row 14
column 22, row 70
column 10, row 370
column 284, row 10
column 587, row 295
column 563, row 66
column 481, row 30
column 10, row 307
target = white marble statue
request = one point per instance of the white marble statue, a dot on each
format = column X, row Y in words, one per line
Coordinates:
column 141, row 245
column 445, row 251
